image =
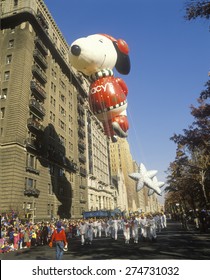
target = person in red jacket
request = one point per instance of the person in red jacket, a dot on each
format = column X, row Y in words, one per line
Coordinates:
column 59, row 237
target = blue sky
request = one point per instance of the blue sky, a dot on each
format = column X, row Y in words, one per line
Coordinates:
column 169, row 65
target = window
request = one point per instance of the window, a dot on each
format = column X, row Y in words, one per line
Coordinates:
column 62, row 140
column 54, row 73
column 52, row 101
column 15, row 3
column 31, row 161
column 62, row 97
column 6, row 75
column 11, row 43
column 30, row 183
column 8, row 59
column 52, row 116
column 61, row 172
column 2, row 113
column 3, row 93
column 55, row 39
column 62, row 110
column 62, row 125
column 53, row 87
column 50, row 189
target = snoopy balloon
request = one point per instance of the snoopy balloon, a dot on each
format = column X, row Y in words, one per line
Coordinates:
column 96, row 56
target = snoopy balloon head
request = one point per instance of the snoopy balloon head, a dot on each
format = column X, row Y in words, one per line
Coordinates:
column 95, row 56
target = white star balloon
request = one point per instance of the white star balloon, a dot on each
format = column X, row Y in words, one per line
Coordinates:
column 156, row 186
column 144, row 177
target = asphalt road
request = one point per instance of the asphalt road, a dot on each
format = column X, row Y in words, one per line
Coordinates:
column 172, row 243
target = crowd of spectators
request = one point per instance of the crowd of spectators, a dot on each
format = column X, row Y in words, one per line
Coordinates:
column 17, row 234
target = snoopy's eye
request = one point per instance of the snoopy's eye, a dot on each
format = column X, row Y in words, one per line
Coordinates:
column 101, row 41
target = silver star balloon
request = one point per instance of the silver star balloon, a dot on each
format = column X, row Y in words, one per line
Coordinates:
column 144, row 177
column 156, row 186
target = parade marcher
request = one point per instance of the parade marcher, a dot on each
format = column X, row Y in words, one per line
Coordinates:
column 158, row 222
column 135, row 229
column 109, row 227
column 163, row 220
column 142, row 227
column 99, row 228
column 59, row 236
column 105, row 226
column 151, row 228
column 90, row 232
column 83, row 231
column 114, row 227
column 126, row 230
column 95, row 228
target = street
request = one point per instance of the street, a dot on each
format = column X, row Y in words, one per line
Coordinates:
column 172, row 243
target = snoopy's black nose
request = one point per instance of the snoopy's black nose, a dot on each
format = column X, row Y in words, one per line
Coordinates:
column 75, row 50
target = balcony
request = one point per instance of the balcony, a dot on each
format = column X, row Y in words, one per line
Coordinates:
column 42, row 21
column 81, row 145
column 92, row 176
column 81, row 108
column 81, row 133
column 83, row 172
column 32, row 170
column 35, row 126
column 39, row 74
column 31, row 192
column 40, row 59
column 40, row 46
column 83, row 201
column 31, row 143
column 70, row 165
column 82, row 158
column 36, row 107
column 81, row 122
column 80, row 99
column 37, row 90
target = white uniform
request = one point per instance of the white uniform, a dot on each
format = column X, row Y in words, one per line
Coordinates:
column 109, row 223
column 163, row 221
column 142, row 224
column 90, row 232
column 126, row 230
column 95, row 228
column 99, row 228
column 114, row 228
column 106, row 227
column 158, row 222
column 135, row 230
column 151, row 228
column 83, row 232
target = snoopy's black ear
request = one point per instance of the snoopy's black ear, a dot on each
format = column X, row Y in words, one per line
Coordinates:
column 123, row 65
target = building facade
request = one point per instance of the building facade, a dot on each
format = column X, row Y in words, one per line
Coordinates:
column 41, row 120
